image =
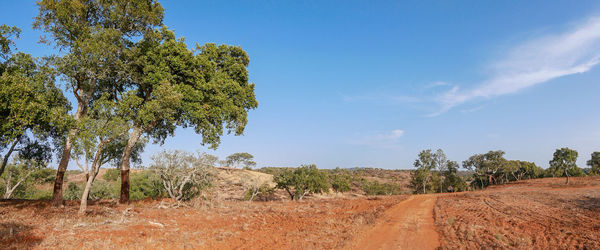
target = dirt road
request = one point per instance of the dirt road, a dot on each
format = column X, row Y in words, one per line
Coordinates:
column 407, row 225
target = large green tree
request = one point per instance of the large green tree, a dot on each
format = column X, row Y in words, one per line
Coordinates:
column 564, row 161
column 486, row 166
column 421, row 177
column 32, row 108
column 594, row 163
column 94, row 36
column 206, row 88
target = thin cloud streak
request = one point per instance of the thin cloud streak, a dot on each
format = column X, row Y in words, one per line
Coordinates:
column 534, row 62
column 379, row 139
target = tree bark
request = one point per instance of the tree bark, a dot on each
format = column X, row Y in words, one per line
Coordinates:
column 57, row 196
column 567, row 174
column 90, row 179
column 7, row 155
column 133, row 138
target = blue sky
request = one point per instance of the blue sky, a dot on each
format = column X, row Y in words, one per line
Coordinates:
column 371, row 83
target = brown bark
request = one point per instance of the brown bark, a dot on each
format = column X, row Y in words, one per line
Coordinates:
column 125, row 160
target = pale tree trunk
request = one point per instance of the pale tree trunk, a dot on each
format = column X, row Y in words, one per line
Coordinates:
column 567, row 174
column 57, row 196
column 133, row 138
column 92, row 177
column 10, row 190
column 7, row 155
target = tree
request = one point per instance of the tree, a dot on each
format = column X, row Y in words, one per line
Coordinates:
column 32, row 110
column 95, row 37
column 206, row 89
column 594, row 163
column 486, row 165
column 306, row 179
column 452, row 181
column 182, row 174
column 240, row 159
column 564, row 161
column 18, row 173
column 440, row 162
column 98, row 129
column 340, row 182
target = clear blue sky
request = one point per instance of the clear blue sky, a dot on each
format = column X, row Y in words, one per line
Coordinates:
column 371, row 83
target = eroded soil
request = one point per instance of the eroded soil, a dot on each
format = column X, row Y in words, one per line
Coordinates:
column 312, row 224
column 539, row 214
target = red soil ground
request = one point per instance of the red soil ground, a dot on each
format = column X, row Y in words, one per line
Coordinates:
column 311, row 224
column 538, row 214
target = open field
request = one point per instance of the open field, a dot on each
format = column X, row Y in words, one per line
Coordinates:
column 542, row 213
column 312, row 224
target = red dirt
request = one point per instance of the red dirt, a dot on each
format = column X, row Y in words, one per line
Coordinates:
column 407, row 225
column 538, row 214
column 312, row 224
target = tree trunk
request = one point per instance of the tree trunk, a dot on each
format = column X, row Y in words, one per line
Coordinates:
column 567, row 174
column 7, row 155
column 133, row 138
column 57, row 196
column 90, row 179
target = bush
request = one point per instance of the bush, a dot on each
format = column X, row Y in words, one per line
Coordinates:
column 304, row 180
column 100, row 190
column 112, row 174
column 340, row 183
column 182, row 174
column 262, row 193
column 376, row 188
column 145, row 184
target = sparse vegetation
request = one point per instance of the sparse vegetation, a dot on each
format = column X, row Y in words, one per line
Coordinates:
column 306, row 179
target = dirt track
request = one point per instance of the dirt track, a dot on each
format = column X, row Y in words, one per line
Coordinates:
column 407, row 225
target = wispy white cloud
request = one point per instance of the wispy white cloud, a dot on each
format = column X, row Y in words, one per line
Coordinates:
column 437, row 84
column 533, row 62
column 381, row 98
column 379, row 139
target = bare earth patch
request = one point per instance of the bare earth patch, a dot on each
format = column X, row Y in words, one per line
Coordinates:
column 539, row 214
column 311, row 224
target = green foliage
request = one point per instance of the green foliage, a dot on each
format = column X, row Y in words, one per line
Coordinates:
column 376, row 188
column 306, row 179
column 112, row 174
column 423, row 180
column 263, row 192
column 594, row 163
column 486, row 167
column 240, row 159
column 145, row 184
column 340, row 182
column 452, row 181
column 564, row 163
column 32, row 111
column 100, row 190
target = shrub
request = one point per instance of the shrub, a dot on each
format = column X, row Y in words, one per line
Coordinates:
column 376, row 188
column 182, row 174
column 145, row 184
column 100, row 190
column 112, row 174
column 262, row 193
column 340, row 183
column 304, row 180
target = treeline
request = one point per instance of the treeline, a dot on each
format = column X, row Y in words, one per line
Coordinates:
column 308, row 179
column 133, row 82
column 436, row 174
